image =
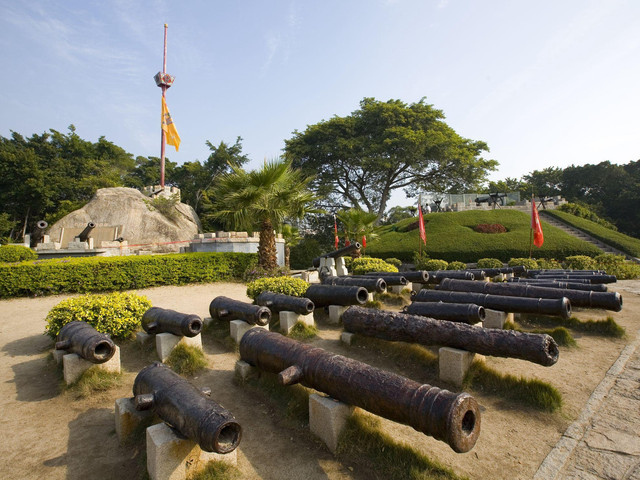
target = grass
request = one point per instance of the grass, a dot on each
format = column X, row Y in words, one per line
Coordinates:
column 92, row 381
column 364, row 444
column 402, row 353
column 301, row 331
column 292, row 400
column 561, row 335
column 186, row 359
column 214, row 470
column 529, row 392
column 391, row 298
column 218, row 331
column 607, row 327
column 375, row 304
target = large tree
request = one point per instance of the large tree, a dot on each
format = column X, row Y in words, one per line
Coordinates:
column 358, row 160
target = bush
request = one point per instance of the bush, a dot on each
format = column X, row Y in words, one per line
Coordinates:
column 490, row 263
column 456, row 266
column 396, row 262
column 624, row 271
column 580, row 262
column 367, row 264
column 286, row 285
column 528, row 263
column 16, row 253
column 490, row 228
column 432, row 264
column 254, row 272
column 548, row 263
column 116, row 314
column 302, row 254
column 584, row 212
column 608, row 260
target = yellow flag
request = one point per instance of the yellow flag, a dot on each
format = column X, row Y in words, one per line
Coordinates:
column 169, row 127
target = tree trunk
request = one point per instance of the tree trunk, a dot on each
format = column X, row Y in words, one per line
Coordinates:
column 287, row 255
column 267, row 257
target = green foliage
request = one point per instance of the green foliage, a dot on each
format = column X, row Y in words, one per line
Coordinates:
column 301, row 331
column 363, row 265
column 455, row 265
column 16, row 253
column 490, row 263
column 286, row 285
column 396, row 262
column 217, row 470
column 375, row 304
column 355, row 223
column 304, row 252
column 92, row 381
column 583, row 211
column 116, row 314
column 187, row 359
column 99, row 274
column 580, row 262
column 390, row 298
column 528, row 263
column 395, row 214
column 607, row 327
column 432, row 264
column 6, row 224
column 561, row 335
column 490, row 228
column 624, row 271
column 165, row 205
column 255, row 271
column 548, row 263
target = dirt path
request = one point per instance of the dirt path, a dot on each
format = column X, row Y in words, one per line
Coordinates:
column 51, row 435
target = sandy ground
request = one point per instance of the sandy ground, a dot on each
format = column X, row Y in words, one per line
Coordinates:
column 49, row 434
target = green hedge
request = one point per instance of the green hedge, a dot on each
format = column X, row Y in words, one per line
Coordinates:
column 16, row 253
column 296, row 287
column 102, row 274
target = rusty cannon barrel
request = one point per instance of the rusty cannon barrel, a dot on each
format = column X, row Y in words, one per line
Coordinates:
column 37, row 234
column 487, row 272
column 578, row 298
column 563, row 271
column 370, row 283
column 418, row 276
column 86, row 233
column 436, row 276
column 560, row 307
column 225, row 308
column 324, row 295
column 593, row 279
column 403, row 327
column 453, row 418
column 86, row 341
column 454, row 312
column 389, row 278
column 584, row 281
column 277, row 302
column 341, row 252
column 162, row 320
column 186, row 408
column 597, row 287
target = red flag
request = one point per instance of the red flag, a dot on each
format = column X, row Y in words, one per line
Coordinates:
column 335, row 229
column 538, row 237
column 364, row 241
column 347, row 243
column 423, row 233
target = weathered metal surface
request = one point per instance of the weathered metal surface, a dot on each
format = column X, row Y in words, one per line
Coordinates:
column 486, row 272
column 162, row 320
column 341, row 252
column 372, row 284
column 454, row 312
column 545, row 306
column 324, row 295
column 578, row 298
column 86, row 233
column 418, row 276
column 225, row 308
column 83, row 339
column 390, row 279
column 594, row 279
column 436, row 276
column 564, row 271
column 37, row 234
column 186, row 408
column 584, row 281
column 447, row 416
column 277, row 302
column 573, row 284
column 533, row 347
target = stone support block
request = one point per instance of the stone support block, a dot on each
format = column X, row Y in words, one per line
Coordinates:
column 143, row 338
column 454, row 364
column 223, row 235
column 73, row 365
column 128, row 418
column 310, row 276
column 347, row 338
column 341, row 268
column 370, row 297
column 208, row 235
column 243, row 370
column 496, row 318
column 58, row 354
column 399, row 288
column 237, row 328
column 327, row 418
column 166, row 342
column 335, row 313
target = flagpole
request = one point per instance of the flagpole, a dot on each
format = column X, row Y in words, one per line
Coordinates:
column 531, row 226
column 164, row 91
column 419, row 239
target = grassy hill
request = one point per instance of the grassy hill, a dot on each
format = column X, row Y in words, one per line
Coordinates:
column 450, row 236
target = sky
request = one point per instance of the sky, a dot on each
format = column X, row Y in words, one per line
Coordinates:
column 545, row 84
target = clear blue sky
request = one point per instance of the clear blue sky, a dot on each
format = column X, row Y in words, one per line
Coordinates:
column 544, row 83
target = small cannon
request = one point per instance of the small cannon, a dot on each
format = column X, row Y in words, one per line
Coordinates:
column 86, row 233
column 225, row 308
column 436, row 276
column 573, row 284
column 37, row 234
column 594, row 279
column 371, row 284
column 450, row 417
column 545, row 306
column 162, row 320
column 83, row 339
column 186, row 408
column 402, row 327
column 277, row 302
column 454, row 312
column 489, row 272
column 324, row 295
column 341, row 252
column 388, row 278
column 418, row 276
column 578, row 298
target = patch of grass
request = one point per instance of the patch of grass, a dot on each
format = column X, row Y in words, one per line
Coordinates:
column 94, row 380
column 218, row 331
column 302, row 331
column 217, row 471
column 530, row 392
column 364, row 444
column 391, row 298
column 292, row 401
column 560, row 334
column 186, row 359
column 607, row 327
column 375, row 304
column 400, row 352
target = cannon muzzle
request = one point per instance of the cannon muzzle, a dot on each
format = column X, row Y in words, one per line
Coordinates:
column 86, row 233
column 37, row 234
column 162, row 320
column 324, row 295
column 86, row 341
column 225, row 308
column 277, row 302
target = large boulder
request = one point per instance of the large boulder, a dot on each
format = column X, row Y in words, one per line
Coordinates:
column 128, row 214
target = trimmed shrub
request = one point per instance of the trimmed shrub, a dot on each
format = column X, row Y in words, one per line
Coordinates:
column 490, row 263
column 116, row 314
column 302, row 254
column 580, row 262
column 456, row 266
column 623, row 271
column 396, row 262
column 490, row 228
column 367, row 264
column 548, row 263
column 286, row 285
column 16, row 253
column 433, row 264
column 608, row 260
column 528, row 263
column 584, row 212
column 255, row 271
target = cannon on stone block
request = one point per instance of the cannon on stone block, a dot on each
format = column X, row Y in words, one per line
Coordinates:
column 162, row 320
column 594, row 279
column 453, row 418
column 84, row 340
column 341, row 252
column 560, row 307
column 454, row 312
column 389, row 278
column 37, row 234
column 186, row 408
column 325, row 295
column 372, row 284
column 533, row 347
column 225, row 308
column 578, row 298
column 277, row 302
column 86, row 233
column 573, row 284
column 418, row 276
column 436, row 276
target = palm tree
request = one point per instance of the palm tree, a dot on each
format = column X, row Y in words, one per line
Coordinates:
column 261, row 200
column 291, row 236
column 357, row 223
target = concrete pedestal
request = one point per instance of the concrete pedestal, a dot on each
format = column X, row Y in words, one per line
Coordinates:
column 341, row 269
column 454, row 364
column 172, row 457
column 327, row 267
column 166, row 342
column 289, row 319
column 399, row 288
column 128, row 418
column 335, row 313
column 244, row 371
column 417, row 286
column 58, row 354
column 496, row 318
column 237, row 328
column 327, row 418
column 73, row 366
column 347, row 338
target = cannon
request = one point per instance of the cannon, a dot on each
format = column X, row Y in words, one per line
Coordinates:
column 83, row 339
column 454, row 312
column 186, row 408
column 277, row 302
column 594, row 279
column 403, row 327
column 453, row 418
column 225, row 308
column 418, row 276
column 563, row 271
column 162, row 320
column 324, row 295
column 545, row 306
column 84, row 234
column 597, row 287
column 389, row 279
column 341, row 252
column 370, row 283
column 436, row 276
column 578, row 298
column 583, row 281
column 37, row 234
